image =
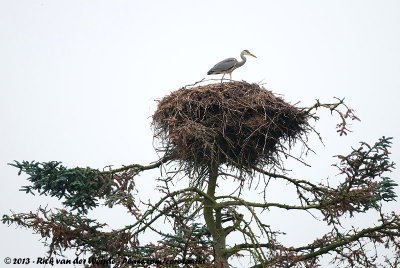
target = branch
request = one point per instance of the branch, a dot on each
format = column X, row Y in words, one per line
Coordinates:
column 334, row 107
column 237, row 248
column 139, row 168
column 345, row 241
column 303, row 184
column 241, row 202
column 325, row 245
column 158, row 204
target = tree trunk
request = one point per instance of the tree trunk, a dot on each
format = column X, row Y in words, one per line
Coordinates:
column 214, row 223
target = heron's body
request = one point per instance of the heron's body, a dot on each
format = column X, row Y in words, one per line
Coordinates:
column 227, row 66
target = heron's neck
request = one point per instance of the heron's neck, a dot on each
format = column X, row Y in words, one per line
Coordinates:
column 240, row 63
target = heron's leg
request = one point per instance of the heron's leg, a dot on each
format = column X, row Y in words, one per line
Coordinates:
column 222, row 77
column 230, row 75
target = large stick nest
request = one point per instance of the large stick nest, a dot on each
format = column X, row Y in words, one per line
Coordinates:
column 234, row 123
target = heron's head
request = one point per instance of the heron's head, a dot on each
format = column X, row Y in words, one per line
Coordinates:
column 246, row 52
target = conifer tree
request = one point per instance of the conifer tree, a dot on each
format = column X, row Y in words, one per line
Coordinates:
column 233, row 132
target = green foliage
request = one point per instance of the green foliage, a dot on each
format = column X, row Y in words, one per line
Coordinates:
column 369, row 163
column 187, row 242
column 386, row 189
column 365, row 187
column 185, row 235
column 80, row 187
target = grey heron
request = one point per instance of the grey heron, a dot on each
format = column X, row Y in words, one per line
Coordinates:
column 227, row 66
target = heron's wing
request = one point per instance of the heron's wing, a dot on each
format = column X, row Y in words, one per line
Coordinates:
column 223, row 66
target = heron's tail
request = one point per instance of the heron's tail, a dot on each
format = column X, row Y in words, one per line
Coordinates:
column 209, row 72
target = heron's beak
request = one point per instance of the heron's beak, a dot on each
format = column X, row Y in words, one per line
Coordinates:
column 252, row 55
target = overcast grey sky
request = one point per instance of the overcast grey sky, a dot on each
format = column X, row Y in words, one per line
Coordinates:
column 79, row 79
